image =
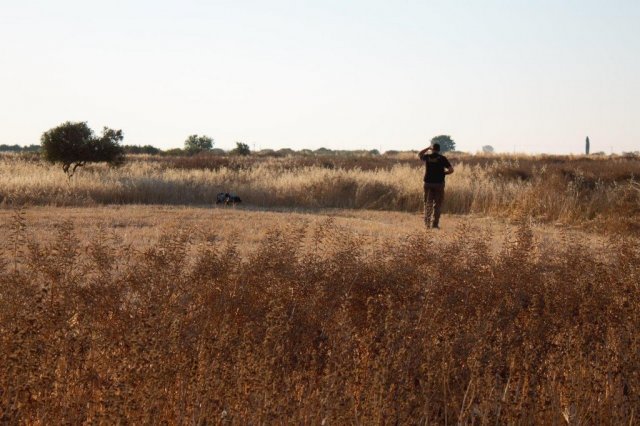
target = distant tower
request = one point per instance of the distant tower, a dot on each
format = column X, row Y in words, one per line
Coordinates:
column 587, row 145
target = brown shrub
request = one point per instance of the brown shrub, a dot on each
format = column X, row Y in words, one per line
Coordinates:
column 311, row 327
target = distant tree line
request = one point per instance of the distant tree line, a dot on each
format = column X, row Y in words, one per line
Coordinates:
column 18, row 148
column 74, row 144
column 146, row 149
column 199, row 145
column 240, row 149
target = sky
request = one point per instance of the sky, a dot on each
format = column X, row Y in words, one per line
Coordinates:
column 526, row 76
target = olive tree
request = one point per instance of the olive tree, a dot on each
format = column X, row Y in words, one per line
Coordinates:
column 445, row 141
column 195, row 144
column 74, row 144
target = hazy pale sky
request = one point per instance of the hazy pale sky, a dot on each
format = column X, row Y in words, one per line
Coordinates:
column 534, row 76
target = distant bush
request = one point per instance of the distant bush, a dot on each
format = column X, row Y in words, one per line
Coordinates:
column 266, row 153
column 217, row 151
column 241, row 149
column 284, row 152
column 146, row 149
column 323, row 151
column 174, row 152
column 195, row 144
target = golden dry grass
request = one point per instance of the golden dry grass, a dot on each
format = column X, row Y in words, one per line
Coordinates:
column 305, row 306
column 151, row 314
column 601, row 193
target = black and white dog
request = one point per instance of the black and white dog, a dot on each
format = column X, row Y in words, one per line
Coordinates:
column 226, row 198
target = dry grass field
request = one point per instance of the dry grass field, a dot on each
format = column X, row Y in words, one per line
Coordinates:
column 126, row 297
column 596, row 193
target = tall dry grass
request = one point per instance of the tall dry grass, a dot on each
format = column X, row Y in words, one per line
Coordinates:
column 599, row 193
column 312, row 328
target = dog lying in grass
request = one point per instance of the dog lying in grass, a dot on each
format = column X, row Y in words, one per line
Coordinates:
column 226, row 198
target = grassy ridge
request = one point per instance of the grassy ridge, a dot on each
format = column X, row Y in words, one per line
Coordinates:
column 310, row 326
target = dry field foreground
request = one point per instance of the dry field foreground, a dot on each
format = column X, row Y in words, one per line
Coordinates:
column 190, row 315
column 143, row 226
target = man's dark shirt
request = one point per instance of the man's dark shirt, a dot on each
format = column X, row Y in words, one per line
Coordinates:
column 435, row 165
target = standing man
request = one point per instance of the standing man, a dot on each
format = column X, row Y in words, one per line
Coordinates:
column 437, row 166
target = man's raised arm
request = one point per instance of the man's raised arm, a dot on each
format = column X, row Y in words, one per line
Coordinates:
column 423, row 152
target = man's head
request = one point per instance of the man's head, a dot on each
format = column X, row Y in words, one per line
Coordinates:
column 436, row 147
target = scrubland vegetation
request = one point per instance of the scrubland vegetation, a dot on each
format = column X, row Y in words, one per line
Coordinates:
column 316, row 323
column 247, row 317
column 600, row 193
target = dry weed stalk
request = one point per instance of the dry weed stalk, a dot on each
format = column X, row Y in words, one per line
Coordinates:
column 188, row 331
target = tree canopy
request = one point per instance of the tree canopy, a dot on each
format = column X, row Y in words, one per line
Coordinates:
column 241, row 149
column 195, row 143
column 445, row 141
column 74, row 145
